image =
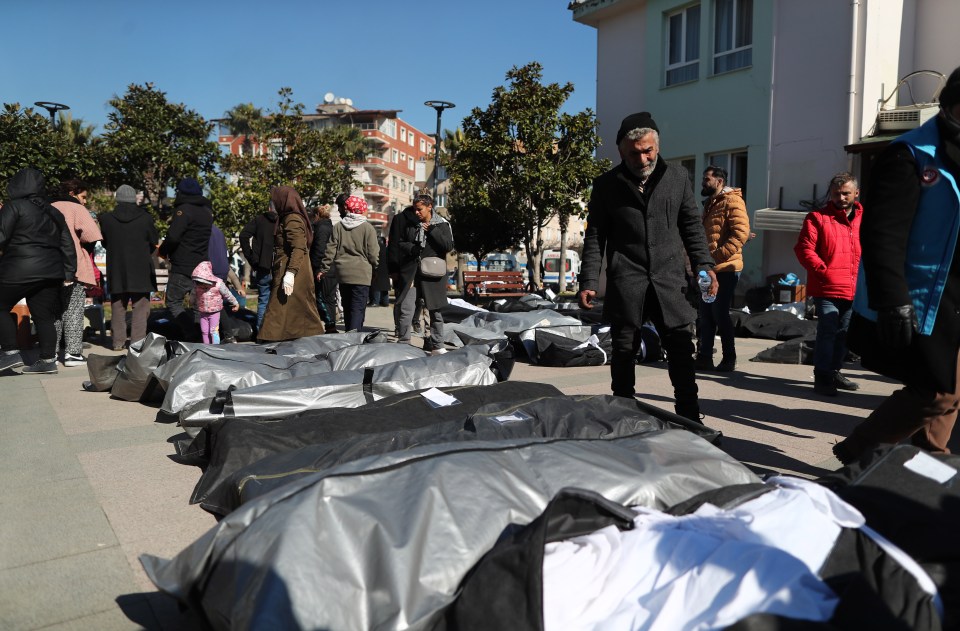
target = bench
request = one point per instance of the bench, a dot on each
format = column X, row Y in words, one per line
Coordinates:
column 492, row 285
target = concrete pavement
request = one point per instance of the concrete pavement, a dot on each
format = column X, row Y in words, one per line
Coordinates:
column 89, row 483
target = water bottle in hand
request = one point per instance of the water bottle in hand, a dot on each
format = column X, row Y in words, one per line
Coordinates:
column 703, row 281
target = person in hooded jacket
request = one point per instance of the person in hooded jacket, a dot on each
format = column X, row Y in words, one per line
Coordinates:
column 292, row 310
column 130, row 238
column 256, row 243
column 427, row 234
column 354, row 251
column 906, row 322
column 186, row 245
column 85, row 232
column 211, row 292
column 402, row 265
column 37, row 258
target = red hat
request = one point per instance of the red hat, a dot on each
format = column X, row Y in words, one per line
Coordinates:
column 356, row 205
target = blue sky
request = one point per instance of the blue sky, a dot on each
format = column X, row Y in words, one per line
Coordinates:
column 214, row 55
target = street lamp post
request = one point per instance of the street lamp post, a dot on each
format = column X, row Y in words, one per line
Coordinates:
column 52, row 108
column 439, row 106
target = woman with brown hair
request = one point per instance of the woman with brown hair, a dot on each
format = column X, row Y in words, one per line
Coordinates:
column 292, row 310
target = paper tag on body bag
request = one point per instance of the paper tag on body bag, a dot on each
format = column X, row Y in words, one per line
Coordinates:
column 439, row 399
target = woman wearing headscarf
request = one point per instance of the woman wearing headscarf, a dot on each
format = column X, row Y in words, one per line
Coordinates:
column 85, row 232
column 353, row 249
column 292, row 310
column 38, row 258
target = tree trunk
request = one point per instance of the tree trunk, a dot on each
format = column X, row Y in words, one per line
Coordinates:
column 562, row 269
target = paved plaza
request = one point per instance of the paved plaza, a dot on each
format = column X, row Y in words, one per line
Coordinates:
column 89, row 483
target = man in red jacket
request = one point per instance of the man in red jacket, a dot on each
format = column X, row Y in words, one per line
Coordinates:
column 829, row 249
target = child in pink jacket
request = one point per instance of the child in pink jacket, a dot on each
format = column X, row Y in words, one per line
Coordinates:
column 210, row 292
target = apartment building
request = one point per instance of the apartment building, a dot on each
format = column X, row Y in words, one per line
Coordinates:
column 781, row 93
column 394, row 168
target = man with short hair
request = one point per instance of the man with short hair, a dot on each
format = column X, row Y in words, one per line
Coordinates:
column 829, row 249
column 186, row 246
column 727, row 228
column 644, row 236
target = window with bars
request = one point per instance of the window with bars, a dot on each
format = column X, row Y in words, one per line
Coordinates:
column 683, row 46
column 732, row 35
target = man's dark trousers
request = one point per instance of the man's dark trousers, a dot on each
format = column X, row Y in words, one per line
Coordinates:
column 178, row 286
column 679, row 346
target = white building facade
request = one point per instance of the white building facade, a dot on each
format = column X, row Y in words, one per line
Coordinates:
column 775, row 91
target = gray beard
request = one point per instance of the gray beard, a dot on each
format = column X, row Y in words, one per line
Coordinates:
column 645, row 173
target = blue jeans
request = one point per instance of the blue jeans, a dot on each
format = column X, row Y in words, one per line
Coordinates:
column 833, row 320
column 715, row 317
column 263, row 294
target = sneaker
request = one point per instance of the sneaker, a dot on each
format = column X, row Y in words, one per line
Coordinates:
column 842, row 383
column 41, row 367
column 703, row 362
column 10, row 360
column 73, row 360
column 727, row 364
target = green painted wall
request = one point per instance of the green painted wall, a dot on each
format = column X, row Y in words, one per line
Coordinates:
column 716, row 113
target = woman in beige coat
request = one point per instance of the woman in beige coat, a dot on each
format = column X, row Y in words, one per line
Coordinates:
column 84, row 231
column 292, row 310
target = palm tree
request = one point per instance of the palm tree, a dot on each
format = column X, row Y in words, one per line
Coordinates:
column 241, row 121
column 452, row 142
column 76, row 131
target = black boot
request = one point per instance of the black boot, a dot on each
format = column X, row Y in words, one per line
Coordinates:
column 824, row 383
column 728, row 363
column 842, row 383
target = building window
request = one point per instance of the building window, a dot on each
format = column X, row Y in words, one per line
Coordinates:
column 683, row 46
column 735, row 162
column 389, row 127
column 396, row 156
column 690, row 164
column 403, row 134
column 423, row 145
column 410, row 140
column 732, row 35
column 395, row 181
column 410, row 163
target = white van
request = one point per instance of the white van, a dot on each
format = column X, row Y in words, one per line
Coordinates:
column 551, row 269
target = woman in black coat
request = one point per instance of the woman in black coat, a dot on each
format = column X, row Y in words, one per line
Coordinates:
column 416, row 233
column 130, row 238
column 37, row 257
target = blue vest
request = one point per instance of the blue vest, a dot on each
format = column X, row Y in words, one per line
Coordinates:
column 933, row 234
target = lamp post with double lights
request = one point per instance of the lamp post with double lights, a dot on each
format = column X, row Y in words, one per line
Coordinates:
column 52, row 108
column 439, row 106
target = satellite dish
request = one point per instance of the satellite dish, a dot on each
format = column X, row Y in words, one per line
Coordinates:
column 349, row 101
column 328, row 97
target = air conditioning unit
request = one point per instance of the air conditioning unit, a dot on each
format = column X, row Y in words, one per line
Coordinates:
column 905, row 118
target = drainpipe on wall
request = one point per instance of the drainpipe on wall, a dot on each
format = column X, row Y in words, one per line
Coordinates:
column 852, row 134
column 773, row 87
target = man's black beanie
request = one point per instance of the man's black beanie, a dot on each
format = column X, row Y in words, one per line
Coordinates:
column 950, row 94
column 640, row 120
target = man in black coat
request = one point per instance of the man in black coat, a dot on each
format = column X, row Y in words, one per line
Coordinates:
column 186, row 246
column 256, row 243
column 130, row 238
column 37, row 257
column 643, row 216
column 906, row 321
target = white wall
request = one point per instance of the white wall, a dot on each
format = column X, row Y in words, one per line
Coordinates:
column 937, row 44
column 621, row 78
